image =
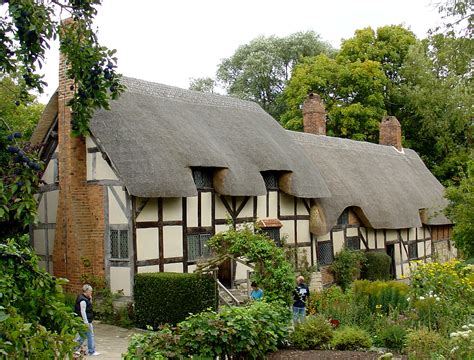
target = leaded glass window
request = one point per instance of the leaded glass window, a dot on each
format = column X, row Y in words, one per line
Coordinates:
column 119, row 244
column 273, row 233
column 202, row 178
column 325, row 254
column 353, row 243
column 197, row 246
column 271, row 180
column 413, row 250
column 344, row 218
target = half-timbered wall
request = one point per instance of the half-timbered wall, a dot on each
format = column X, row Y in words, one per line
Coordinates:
column 43, row 232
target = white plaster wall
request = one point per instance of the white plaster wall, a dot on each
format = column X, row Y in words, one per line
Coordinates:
column 103, row 171
column 370, row 237
column 120, row 280
column 148, row 269
column 241, row 271
column 325, row 237
column 53, row 198
column 303, row 252
column 172, row 241
column 352, row 232
column 421, row 249
column 287, row 205
column 51, row 235
column 338, row 241
column 247, row 211
column 221, row 211
column 300, row 208
column 192, row 211
column 191, row 268
column 429, row 250
column 149, row 212
column 392, row 235
column 147, row 244
column 41, row 209
column 116, row 215
column 412, row 233
column 380, row 239
column 48, row 175
column 172, row 209
column 406, row 269
column 40, row 241
column 177, row 267
column 303, row 231
column 262, row 206
column 221, row 228
column 206, row 209
column 273, row 204
column 288, row 230
column 90, row 143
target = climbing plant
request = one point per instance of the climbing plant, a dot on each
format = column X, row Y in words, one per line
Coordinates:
column 273, row 272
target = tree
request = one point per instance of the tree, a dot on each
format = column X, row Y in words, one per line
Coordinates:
column 459, row 15
column 258, row 71
column 357, row 86
column 461, row 211
column 205, row 85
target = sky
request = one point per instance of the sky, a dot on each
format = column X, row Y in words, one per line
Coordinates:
column 172, row 41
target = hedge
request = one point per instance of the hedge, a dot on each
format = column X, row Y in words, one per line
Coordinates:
column 170, row 297
column 377, row 266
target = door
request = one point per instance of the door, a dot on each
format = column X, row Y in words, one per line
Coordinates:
column 391, row 252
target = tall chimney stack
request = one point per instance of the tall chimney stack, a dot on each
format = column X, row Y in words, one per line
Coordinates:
column 390, row 132
column 314, row 115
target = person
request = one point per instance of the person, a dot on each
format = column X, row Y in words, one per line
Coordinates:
column 300, row 294
column 256, row 293
column 83, row 308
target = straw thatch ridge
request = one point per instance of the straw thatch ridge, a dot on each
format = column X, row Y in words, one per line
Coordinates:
column 389, row 187
column 154, row 134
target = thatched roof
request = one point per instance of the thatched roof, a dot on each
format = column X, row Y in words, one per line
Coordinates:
column 389, row 187
column 154, row 134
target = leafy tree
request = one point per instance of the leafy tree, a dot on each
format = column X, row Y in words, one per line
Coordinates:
column 258, row 71
column 459, row 16
column 461, row 212
column 205, row 85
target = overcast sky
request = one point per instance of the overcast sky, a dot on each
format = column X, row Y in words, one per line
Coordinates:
column 172, row 41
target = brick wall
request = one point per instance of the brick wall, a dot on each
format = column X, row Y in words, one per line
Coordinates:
column 390, row 132
column 80, row 222
column 314, row 115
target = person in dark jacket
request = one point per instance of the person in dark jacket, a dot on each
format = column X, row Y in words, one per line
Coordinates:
column 300, row 295
column 83, row 308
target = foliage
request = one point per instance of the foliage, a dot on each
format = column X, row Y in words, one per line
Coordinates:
column 34, row 321
column 383, row 296
column 272, row 272
column 328, row 297
column 26, row 34
column 393, row 337
column 459, row 15
column 247, row 332
column 377, row 266
column 423, row 344
column 351, row 338
column 462, row 342
column 346, row 266
column 315, row 332
column 165, row 297
column 205, row 85
column 461, row 212
column 299, row 262
column 258, row 71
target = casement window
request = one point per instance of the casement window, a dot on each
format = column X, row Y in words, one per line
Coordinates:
column 353, row 243
column 413, row 250
column 197, row 246
column 271, row 179
column 118, row 244
column 344, row 218
column 202, row 178
column 273, row 233
column 325, row 253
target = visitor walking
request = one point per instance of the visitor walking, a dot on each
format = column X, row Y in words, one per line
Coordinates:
column 83, row 309
column 300, row 295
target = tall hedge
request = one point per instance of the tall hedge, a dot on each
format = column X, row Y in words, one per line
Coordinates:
column 377, row 266
column 170, row 297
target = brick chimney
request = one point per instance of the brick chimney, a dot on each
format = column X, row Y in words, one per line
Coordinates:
column 79, row 236
column 390, row 132
column 314, row 115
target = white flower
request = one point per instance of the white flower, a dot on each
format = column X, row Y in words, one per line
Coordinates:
column 465, row 327
column 408, row 299
column 471, row 325
column 422, row 298
column 465, row 336
column 437, row 299
column 453, row 334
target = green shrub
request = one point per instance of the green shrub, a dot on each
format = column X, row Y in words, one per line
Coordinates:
column 393, row 337
column 381, row 296
column 320, row 301
column 314, row 333
column 423, row 344
column 377, row 266
column 246, row 332
column 351, row 338
column 461, row 343
column 346, row 267
column 170, row 297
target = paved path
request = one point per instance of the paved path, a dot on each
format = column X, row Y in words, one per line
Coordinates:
column 111, row 341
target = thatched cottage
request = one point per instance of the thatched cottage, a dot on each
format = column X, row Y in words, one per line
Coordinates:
column 167, row 168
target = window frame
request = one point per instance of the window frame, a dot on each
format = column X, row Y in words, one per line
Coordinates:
column 120, row 231
column 270, row 231
column 203, row 237
column 320, row 244
column 412, row 245
column 271, row 180
column 202, row 178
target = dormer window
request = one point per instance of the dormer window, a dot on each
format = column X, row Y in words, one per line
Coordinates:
column 344, row 218
column 202, row 178
column 271, row 179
